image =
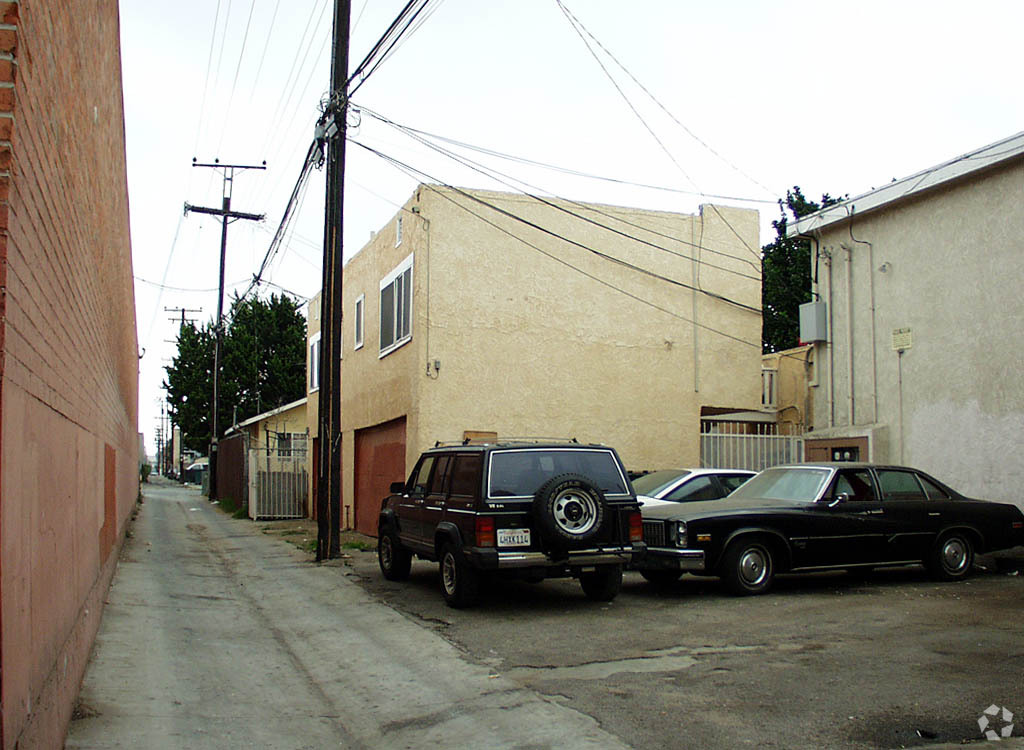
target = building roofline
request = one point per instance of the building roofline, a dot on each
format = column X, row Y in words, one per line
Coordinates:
column 271, row 413
column 941, row 174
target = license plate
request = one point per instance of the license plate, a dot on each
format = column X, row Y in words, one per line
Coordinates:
column 513, row 537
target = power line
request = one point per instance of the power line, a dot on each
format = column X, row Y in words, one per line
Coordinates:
column 649, row 129
column 167, row 288
column 573, row 19
column 335, row 104
column 288, row 87
column 167, row 268
column 412, row 171
column 238, row 68
column 206, row 84
column 489, row 172
column 566, row 170
column 266, row 45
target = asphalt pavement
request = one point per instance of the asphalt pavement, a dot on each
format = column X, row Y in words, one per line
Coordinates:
column 215, row 635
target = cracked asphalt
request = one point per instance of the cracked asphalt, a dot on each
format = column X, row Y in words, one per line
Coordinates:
column 892, row 660
column 219, row 633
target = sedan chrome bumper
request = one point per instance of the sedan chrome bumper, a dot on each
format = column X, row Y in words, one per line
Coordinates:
column 671, row 558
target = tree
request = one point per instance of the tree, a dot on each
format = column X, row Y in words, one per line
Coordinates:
column 786, row 274
column 263, row 366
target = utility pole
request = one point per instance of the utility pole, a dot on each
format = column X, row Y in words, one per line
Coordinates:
column 183, row 310
column 227, row 215
column 328, row 500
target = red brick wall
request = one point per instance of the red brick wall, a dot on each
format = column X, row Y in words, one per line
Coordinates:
column 68, row 351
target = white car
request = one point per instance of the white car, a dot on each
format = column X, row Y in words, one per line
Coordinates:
column 670, row 486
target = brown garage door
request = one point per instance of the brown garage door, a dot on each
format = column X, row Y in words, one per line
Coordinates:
column 379, row 460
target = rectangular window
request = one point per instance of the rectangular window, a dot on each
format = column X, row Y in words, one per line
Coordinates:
column 398, row 231
column 520, row 473
column 769, row 388
column 466, row 474
column 360, row 304
column 290, row 444
column 900, row 485
column 314, row 362
column 396, row 308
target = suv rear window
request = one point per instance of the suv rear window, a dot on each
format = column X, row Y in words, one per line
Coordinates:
column 520, row 473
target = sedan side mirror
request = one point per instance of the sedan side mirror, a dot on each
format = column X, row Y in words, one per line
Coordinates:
column 842, row 497
column 398, row 488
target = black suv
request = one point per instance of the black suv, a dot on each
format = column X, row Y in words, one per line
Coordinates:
column 526, row 510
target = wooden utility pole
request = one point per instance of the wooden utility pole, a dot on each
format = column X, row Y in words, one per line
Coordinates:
column 227, row 215
column 328, row 499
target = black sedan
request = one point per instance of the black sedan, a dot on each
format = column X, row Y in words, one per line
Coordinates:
column 810, row 517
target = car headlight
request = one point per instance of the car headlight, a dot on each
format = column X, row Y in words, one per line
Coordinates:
column 681, row 540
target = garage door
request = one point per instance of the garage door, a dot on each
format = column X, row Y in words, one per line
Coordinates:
column 379, row 461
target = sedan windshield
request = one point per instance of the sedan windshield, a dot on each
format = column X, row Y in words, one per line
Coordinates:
column 798, row 483
column 653, row 483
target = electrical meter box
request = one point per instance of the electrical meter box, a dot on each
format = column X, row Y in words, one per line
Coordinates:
column 813, row 322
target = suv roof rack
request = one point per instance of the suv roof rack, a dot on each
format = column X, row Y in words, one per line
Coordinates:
column 504, row 441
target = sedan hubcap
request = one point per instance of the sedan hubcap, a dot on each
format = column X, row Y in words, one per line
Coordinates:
column 954, row 555
column 753, row 566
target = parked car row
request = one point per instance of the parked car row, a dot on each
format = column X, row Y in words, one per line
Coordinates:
column 550, row 510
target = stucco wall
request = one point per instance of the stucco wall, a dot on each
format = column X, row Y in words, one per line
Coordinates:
column 69, row 368
column 553, row 340
column 946, row 265
column 793, row 403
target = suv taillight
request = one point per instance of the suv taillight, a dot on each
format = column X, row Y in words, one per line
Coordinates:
column 636, row 527
column 485, row 531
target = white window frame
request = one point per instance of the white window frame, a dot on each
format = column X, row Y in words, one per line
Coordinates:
column 397, row 340
column 398, row 231
column 769, row 389
column 360, row 327
column 314, row 366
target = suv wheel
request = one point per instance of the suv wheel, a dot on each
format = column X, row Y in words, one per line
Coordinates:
column 569, row 509
column 460, row 583
column 395, row 560
column 603, row 584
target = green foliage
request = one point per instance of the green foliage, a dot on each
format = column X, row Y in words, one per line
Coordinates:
column 263, row 366
column 144, row 471
column 786, row 274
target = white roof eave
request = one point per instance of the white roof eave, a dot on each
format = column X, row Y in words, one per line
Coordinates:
column 954, row 169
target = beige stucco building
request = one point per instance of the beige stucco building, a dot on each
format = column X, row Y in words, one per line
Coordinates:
column 497, row 313
column 919, row 340
column 784, row 389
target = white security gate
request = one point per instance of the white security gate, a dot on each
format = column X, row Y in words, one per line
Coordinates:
column 278, row 482
column 733, row 446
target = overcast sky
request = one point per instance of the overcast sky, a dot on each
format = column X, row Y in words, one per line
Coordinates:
column 749, row 98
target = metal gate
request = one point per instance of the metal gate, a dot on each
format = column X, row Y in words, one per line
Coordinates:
column 724, row 447
column 278, row 481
